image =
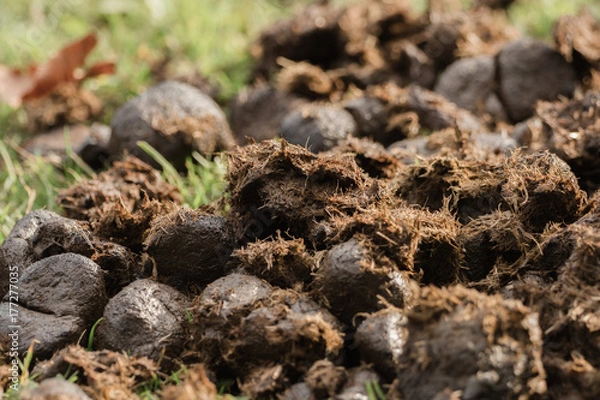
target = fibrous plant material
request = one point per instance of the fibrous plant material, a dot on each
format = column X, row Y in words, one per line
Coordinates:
column 193, row 384
column 277, row 186
column 449, row 264
column 483, row 146
column 314, row 35
column 562, row 285
column 286, row 324
column 495, row 244
column 67, row 104
column 379, row 254
column 304, row 79
column 101, row 374
column 410, row 239
column 283, row 263
column 410, row 110
column 457, row 339
column 575, row 37
column 244, row 323
column 539, row 188
column 120, row 203
column 370, row 157
column 570, row 130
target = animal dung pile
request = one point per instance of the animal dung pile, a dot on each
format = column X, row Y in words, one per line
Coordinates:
column 426, row 224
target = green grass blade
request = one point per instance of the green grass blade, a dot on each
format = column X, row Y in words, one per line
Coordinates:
column 90, row 343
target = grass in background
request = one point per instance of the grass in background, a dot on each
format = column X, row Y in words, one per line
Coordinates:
column 537, row 17
column 32, row 183
column 211, row 36
column 203, row 182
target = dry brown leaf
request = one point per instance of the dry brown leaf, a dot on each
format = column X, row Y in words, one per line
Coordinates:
column 17, row 86
column 12, row 86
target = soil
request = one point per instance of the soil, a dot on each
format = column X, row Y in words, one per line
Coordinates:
column 426, row 225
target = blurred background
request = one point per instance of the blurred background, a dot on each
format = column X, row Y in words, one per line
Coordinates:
column 211, row 36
